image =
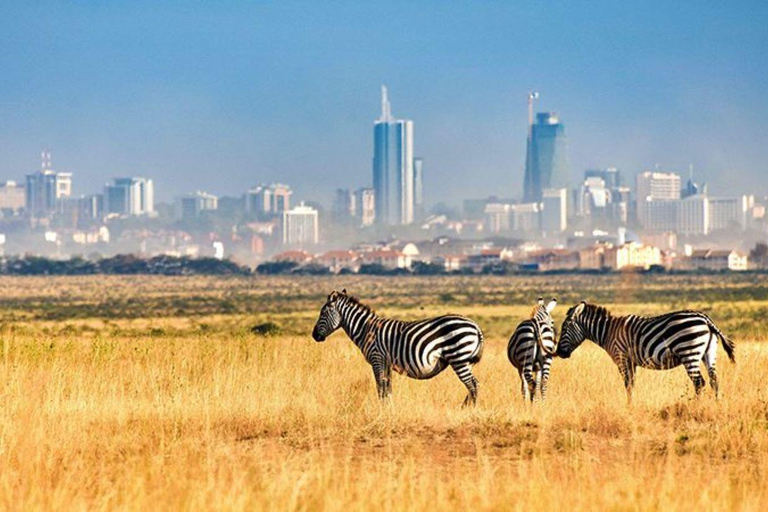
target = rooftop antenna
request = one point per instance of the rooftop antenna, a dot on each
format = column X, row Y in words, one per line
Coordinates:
column 45, row 160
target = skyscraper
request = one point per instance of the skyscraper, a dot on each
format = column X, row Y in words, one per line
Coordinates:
column 546, row 162
column 393, row 180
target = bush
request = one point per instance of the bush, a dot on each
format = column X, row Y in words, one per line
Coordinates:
column 422, row 268
column 266, row 329
column 272, row 268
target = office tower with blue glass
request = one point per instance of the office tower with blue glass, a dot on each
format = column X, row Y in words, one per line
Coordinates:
column 393, row 177
column 546, row 163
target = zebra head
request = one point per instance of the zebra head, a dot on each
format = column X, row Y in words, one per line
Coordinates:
column 572, row 333
column 330, row 317
column 545, row 326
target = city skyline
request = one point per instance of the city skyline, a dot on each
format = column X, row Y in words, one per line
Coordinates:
column 239, row 91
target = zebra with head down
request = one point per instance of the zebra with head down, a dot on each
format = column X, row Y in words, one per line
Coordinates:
column 661, row 342
column 419, row 349
column 531, row 348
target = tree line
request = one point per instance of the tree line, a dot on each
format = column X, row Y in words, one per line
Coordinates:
column 122, row 264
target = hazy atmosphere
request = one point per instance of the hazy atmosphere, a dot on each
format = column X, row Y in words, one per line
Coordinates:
column 221, row 96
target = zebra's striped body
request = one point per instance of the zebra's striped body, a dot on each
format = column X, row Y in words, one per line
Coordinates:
column 658, row 343
column 419, row 349
column 531, row 347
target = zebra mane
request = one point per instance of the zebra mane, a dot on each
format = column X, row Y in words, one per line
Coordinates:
column 351, row 299
column 596, row 310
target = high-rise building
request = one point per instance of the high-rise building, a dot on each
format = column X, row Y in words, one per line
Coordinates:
column 130, row 196
column 300, row 226
column 655, row 186
column 268, row 200
column 393, row 177
column 192, row 205
column 12, row 197
column 546, row 163
column 365, row 206
column 610, row 176
column 45, row 189
column 418, row 187
column 729, row 213
column 554, row 211
column 344, row 206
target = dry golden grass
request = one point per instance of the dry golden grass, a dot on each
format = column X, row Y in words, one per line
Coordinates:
column 98, row 414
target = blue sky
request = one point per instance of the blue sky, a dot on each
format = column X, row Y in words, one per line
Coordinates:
column 219, row 96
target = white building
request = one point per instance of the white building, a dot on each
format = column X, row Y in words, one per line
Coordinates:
column 393, row 175
column 44, row 189
column 526, row 217
column 12, row 196
column 652, row 186
column 130, row 197
column 365, row 206
column 554, row 211
column 268, row 200
column 729, row 213
column 300, row 226
column 632, row 255
column 498, row 217
column 192, row 205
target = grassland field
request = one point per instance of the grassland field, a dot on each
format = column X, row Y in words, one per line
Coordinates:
column 153, row 393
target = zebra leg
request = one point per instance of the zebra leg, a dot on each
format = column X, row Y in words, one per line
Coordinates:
column 710, row 356
column 628, row 371
column 382, row 375
column 530, row 379
column 523, row 386
column 464, row 372
column 692, row 367
column 545, row 377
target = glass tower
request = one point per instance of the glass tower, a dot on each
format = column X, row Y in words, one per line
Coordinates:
column 546, row 162
column 393, row 179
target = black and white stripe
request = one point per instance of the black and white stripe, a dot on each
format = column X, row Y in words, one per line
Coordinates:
column 661, row 342
column 531, row 347
column 420, row 349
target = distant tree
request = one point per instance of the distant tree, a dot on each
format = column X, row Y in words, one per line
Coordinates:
column 373, row 269
column 423, row 268
column 276, row 267
column 312, row 269
column 758, row 256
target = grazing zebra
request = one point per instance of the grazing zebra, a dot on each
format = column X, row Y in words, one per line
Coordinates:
column 658, row 342
column 531, row 348
column 420, row 349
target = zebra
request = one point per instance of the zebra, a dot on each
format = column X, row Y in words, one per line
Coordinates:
column 531, row 348
column 419, row 349
column 658, row 343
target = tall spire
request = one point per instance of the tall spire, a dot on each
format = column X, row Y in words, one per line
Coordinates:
column 386, row 110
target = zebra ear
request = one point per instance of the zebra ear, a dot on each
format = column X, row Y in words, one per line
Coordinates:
column 579, row 308
column 540, row 301
column 551, row 305
column 343, row 291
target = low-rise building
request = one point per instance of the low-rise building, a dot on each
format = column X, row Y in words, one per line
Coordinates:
column 714, row 260
column 338, row 260
column 632, row 255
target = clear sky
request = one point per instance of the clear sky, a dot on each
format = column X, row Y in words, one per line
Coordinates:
column 220, row 96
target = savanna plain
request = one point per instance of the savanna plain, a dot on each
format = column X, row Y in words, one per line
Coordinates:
column 162, row 393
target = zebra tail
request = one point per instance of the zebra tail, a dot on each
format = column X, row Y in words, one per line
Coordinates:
column 479, row 352
column 728, row 345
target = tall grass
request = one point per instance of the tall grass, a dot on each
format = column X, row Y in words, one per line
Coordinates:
column 218, row 419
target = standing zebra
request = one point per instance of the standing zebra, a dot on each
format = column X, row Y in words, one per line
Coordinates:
column 420, row 349
column 658, row 343
column 531, row 348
